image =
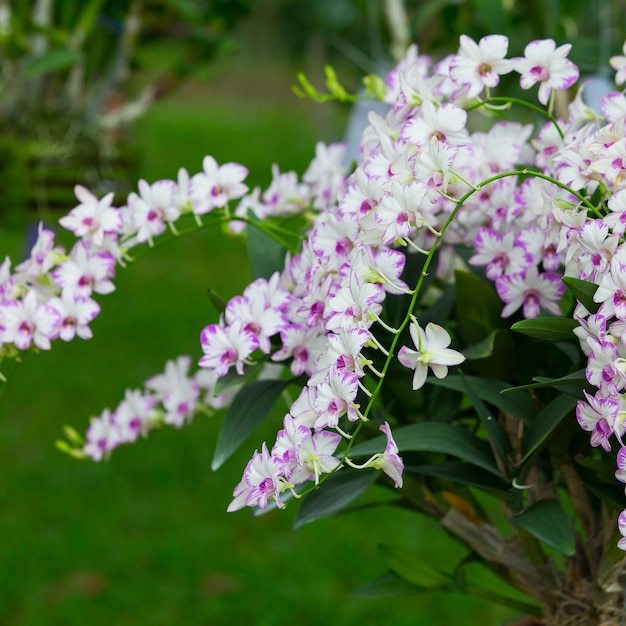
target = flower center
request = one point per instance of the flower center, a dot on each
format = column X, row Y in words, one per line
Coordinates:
column 540, row 73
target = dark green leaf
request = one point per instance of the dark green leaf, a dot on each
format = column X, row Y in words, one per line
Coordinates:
column 249, row 408
column 550, row 328
column 434, row 437
column 492, row 15
column 611, row 494
column 465, row 474
column 489, row 421
column 575, row 378
column 415, row 569
column 439, row 311
column 265, row 254
column 545, row 423
column 218, row 303
column 483, row 349
column 517, row 403
column 395, row 308
column 583, row 291
column 549, row 523
column 334, row 495
column 478, row 307
column 386, row 586
column 87, row 20
column 51, row 61
column 188, row 10
column 442, row 404
column 599, row 478
column 232, row 378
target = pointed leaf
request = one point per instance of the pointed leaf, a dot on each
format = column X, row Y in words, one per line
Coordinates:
column 334, row 495
column 577, row 379
column 550, row 328
column 232, row 378
column 386, row 586
column 219, row 304
column 86, row 21
column 545, row 423
column 439, row 311
column 52, row 61
column 489, row 421
column 583, row 291
column 434, row 437
column 610, row 493
column 465, row 474
column 549, row 523
column 415, row 569
column 483, row 349
column 249, row 408
column 265, row 254
column 478, row 307
column 517, row 403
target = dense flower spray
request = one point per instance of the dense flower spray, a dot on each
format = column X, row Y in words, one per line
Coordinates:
column 427, row 192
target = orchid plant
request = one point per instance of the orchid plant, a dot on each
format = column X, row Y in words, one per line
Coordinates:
column 492, row 259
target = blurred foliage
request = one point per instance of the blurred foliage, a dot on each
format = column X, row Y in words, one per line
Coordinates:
column 88, row 58
column 360, row 29
column 75, row 74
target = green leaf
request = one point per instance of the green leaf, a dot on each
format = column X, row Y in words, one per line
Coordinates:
column 86, row 21
column 491, row 15
column 517, row 403
column 415, row 569
column 265, row 254
column 550, row 328
column 610, row 493
column 439, row 311
column 334, row 495
column 249, row 408
column 545, row 423
column 434, row 437
column 583, row 291
column 549, row 523
column 232, row 378
column 52, row 61
column 388, row 585
column 489, row 421
column 219, row 304
column 478, row 307
column 575, row 378
column 189, row 10
column 465, row 474
column 483, row 349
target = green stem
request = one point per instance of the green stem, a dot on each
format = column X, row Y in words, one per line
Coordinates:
column 528, row 105
column 269, row 229
column 526, row 172
column 398, row 332
column 216, row 219
column 424, row 273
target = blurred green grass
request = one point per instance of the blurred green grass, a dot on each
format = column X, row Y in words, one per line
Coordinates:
column 144, row 538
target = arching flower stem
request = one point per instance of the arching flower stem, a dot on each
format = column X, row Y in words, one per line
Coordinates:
column 528, row 105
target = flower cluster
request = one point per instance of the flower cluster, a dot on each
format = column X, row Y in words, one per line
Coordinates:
column 425, row 182
column 414, row 165
column 50, row 294
column 171, row 398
